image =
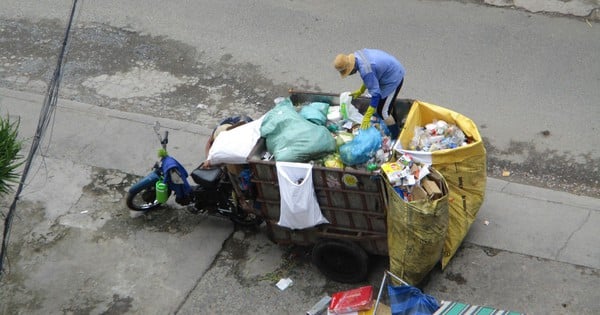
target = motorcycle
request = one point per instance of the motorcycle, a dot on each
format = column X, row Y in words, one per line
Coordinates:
column 213, row 192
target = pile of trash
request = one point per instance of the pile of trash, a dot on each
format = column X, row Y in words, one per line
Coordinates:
column 451, row 143
column 395, row 296
column 367, row 149
column 356, row 148
column 411, row 180
column 438, row 135
column 328, row 135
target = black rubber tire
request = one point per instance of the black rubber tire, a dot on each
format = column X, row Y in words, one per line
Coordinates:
column 139, row 200
column 341, row 261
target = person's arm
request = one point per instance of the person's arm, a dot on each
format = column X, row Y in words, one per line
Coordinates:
column 370, row 81
column 372, row 85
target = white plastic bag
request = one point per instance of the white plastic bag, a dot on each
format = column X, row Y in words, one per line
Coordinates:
column 354, row 114
column 348, row 110
column 345, row 100
column 299, row 206
column 233, row 146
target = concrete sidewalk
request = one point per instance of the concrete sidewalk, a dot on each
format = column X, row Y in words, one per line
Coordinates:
column 101, row 137
column 539, row 222
column 74, row 250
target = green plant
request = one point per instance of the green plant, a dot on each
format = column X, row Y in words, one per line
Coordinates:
column 10, row 147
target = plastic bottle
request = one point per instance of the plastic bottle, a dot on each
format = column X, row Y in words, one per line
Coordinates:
column 161, row 192
column 372, row 167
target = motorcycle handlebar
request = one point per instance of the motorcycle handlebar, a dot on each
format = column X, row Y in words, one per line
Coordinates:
column 165, row 140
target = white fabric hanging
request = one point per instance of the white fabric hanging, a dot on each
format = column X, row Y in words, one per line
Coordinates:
column 299, row 206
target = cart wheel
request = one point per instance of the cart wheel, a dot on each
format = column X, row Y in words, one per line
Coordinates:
column 341, row 261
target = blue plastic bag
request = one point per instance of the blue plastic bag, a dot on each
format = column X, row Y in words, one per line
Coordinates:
column 364, row 146
column 409, row 300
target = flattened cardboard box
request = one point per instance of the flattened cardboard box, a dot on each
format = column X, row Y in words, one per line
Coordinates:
column 431, row 187
column 418, row 193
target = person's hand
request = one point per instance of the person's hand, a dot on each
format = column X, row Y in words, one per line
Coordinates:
column 366, row 122
column 356, row 94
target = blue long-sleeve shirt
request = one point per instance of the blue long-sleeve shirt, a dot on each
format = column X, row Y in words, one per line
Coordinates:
column 381, row 73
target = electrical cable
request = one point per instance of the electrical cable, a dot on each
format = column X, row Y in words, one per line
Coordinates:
column 46, row 115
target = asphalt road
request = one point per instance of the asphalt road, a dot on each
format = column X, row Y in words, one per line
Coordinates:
column 528, row 80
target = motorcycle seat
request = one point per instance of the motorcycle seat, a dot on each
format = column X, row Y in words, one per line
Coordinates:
column 207, row 177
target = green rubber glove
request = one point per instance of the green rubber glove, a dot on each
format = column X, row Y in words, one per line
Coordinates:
column 358, row 92
column 366, row 122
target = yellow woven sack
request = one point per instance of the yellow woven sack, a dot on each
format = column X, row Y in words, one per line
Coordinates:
column 463, row 168
column 416, row 232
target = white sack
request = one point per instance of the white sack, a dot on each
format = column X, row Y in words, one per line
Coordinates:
column 299, row 206
column 233, row 146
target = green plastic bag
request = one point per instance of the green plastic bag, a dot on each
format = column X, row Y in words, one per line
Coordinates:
column 292, row 138
column 315, row 112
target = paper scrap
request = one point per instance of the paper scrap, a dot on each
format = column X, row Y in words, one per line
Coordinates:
column 424, row 171
column 284, row 283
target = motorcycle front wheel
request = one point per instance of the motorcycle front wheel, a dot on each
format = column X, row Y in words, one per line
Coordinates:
column 142, row 199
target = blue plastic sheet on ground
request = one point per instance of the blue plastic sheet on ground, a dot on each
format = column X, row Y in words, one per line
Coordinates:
column 409, row 300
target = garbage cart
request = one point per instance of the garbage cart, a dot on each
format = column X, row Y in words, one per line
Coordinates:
column 353, row 201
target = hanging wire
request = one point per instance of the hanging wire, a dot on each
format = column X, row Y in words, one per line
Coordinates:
column 46, row 115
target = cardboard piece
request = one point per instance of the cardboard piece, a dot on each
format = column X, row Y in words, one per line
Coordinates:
column 418, row 193
column 432, row 188
column 382, row 309
column 437, row 178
